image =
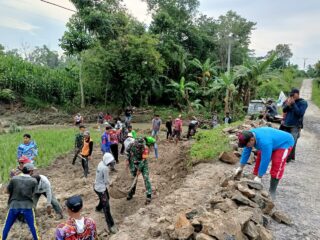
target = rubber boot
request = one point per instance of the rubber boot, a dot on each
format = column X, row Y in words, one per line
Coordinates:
column 273, row 187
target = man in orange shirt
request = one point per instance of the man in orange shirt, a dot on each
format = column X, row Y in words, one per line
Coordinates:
column 86, row 152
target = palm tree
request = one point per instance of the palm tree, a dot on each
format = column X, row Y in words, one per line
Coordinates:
column 208, row 69
column 182, row 90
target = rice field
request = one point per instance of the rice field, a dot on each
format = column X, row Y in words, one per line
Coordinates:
column 52, row 143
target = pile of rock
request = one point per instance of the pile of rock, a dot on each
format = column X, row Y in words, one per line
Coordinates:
column 233, row 156
column 237, row 210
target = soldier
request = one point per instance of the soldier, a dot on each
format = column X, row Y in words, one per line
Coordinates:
column 138, row 163
column 78, row 143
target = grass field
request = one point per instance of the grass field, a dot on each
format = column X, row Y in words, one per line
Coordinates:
column 51, row 144
column 316, row 92
column 209, row 144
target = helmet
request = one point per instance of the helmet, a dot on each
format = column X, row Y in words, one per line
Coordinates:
column 24, row 159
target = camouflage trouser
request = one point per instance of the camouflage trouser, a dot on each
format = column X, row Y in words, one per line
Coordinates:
column 143, row 168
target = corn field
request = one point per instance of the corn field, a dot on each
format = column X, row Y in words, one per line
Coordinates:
column 43, row 83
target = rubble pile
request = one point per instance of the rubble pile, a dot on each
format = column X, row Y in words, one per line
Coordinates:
column 239, row 210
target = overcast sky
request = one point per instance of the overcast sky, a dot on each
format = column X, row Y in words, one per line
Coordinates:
column 295, row 22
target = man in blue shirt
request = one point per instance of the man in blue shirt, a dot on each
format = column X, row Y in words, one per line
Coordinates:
column 294, row 109
column 28, row 148
column 272, row 145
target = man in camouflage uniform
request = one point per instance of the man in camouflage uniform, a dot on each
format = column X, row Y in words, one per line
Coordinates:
column 78, row 142
column 137, row 161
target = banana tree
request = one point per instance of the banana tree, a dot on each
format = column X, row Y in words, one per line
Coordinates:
column 181, row 91
column 208, row 69
column 226, row 82
column 251, row 74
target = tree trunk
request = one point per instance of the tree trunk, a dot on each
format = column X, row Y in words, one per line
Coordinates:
column 226, row 102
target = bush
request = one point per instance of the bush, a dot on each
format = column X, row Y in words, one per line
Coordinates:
column 34, row 103
column 7, row 95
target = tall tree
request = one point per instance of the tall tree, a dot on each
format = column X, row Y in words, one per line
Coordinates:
column 283, row 53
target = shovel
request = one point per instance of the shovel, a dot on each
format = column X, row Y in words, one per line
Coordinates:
column 116, row 193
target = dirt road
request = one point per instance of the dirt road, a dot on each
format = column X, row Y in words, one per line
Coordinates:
column 299, row 191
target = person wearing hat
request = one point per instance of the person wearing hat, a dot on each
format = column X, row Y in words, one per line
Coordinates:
column 129, row 140
column 78, row 119
column 101, row 189
column 77, row 226
column 78, row 143
column 294, row 109
column 273, row 146
column 28, row 148
column 151, row 142
column 138, row 163
column 21, row 189
column 22, row 161
column 86, row 152
column 44, row 188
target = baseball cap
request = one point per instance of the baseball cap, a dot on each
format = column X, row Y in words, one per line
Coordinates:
column 24, row 159
column 244, row 138
column 29, row 166
column 74, row 203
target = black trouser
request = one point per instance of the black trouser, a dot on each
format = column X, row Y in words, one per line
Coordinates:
column 295, row 132
column 191, row 127
column 104, row 204
column 122, row 148
column 76, row 152
column 115, row 151
column 85, row 166
column 169, row 132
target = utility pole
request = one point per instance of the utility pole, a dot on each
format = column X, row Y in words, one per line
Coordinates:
column 231, row 37
column 304, row 63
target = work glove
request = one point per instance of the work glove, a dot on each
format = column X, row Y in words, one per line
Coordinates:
column 257, row 179
column 238, row 171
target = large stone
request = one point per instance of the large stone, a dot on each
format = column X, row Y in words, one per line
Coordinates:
column 226, row 205
column 182, row 227
column 154, row 231
column 228, row 157
column 229, row 130
column 215, row 200
column 242, row 200
column 264, row 234
column 251, row 230
column 223, row 227
column 254, row 185
column 251, row 159
column 246, row 191
column 256, row 214
column 282, row 217
column 202, row 236
column 264, row 203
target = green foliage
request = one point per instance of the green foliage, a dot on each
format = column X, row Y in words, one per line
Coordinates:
column 316, row 91
column 52, row 143
column 7, row 95
column 43, row 83
column 208, row 145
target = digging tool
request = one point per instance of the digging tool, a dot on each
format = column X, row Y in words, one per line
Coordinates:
column 116, row 193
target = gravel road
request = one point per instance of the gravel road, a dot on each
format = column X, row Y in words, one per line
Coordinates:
column 299, row 191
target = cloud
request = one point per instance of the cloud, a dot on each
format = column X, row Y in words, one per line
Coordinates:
column 13, row 23
column 37, row 8
column 139, row 10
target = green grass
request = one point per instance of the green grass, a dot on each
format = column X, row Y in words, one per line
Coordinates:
column 209, row 144
column 297, row 82
column 51, row 143
column 316, row 92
